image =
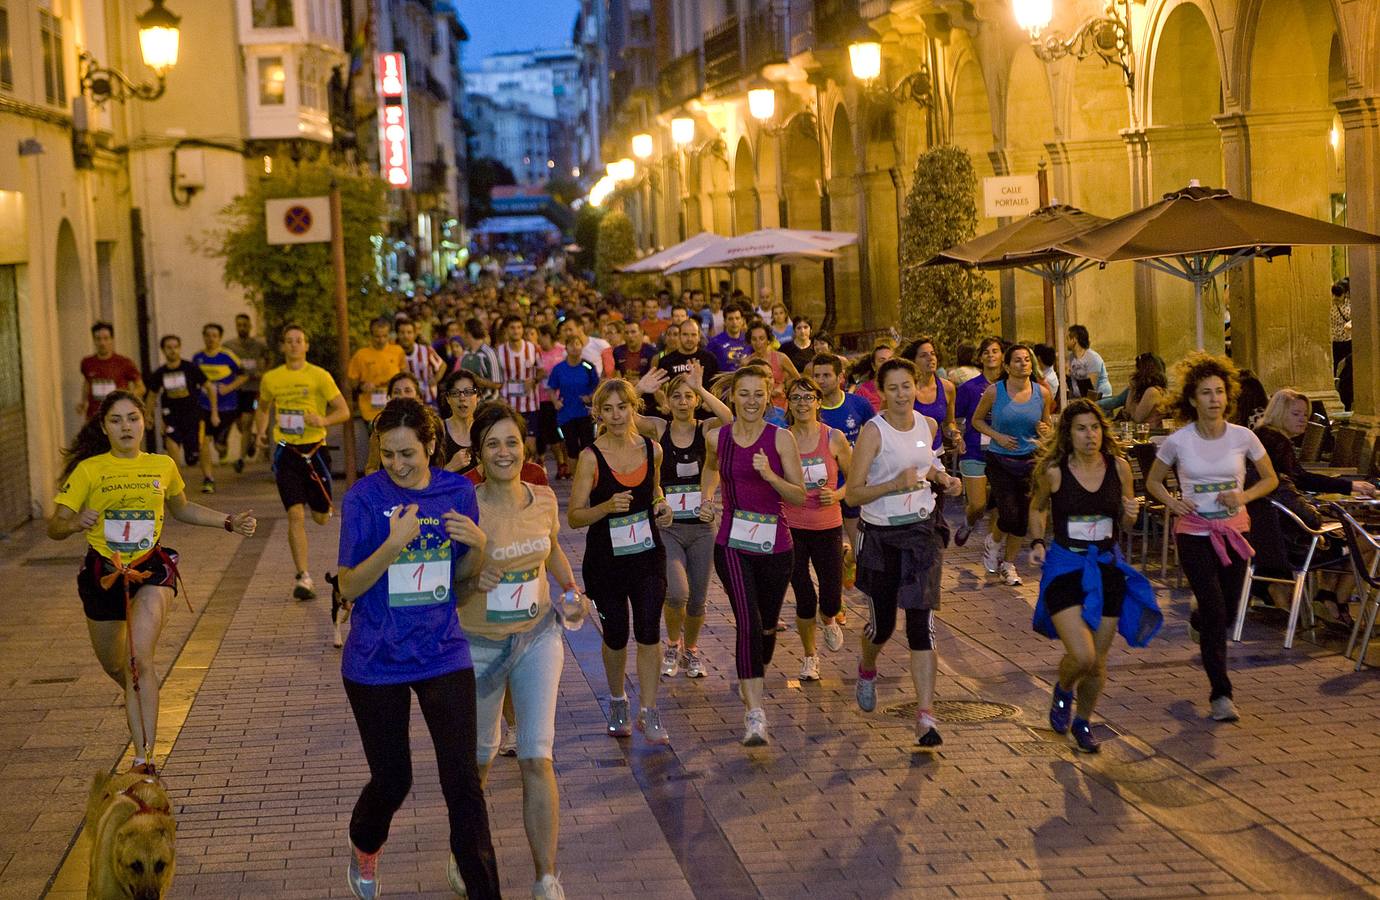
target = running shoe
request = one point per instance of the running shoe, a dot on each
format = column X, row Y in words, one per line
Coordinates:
column 619, row 718
column 363, row 874
column 208, row 485
column 1060, row 709
column 866, row 692
column 670, row 660
column 304, row 588
column 809, row 669
column 755, row 728
column 1082, row 737
column 833, row 637
column 850, row 568
column 508, row 746
column 991, row 555
column 962, row 534
column 693, row 661
column 1223, row 710
column 144, row 768
column 239, row 466
column 1009, row 576
column 649, row 723
column 457, row 883
column 549, row 888
column 927, row 731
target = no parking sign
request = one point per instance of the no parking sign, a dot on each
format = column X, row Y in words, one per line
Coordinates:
column 298, row 220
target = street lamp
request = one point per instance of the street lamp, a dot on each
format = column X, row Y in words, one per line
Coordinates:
column 762, row 101
column 1108, row 36
column 682, row 130
column 865, row 58
column 623, row 170
column 642, row 145
column 159, row 36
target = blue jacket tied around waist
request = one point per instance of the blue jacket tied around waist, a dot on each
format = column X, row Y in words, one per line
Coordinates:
column 1140, row 615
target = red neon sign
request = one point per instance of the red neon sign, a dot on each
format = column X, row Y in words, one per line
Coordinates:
column 395, row 143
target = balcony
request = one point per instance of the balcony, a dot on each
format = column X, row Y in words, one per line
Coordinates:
column 802, row 22
column 766, row 36
column 723, row 59
column 679, row 81
column 834, row 21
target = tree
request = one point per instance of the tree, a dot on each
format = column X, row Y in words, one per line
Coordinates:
column 295, row 282
column 950, row 303
column 485, row 174
column 587, row 235
column 617, row 247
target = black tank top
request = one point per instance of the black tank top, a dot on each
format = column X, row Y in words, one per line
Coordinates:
column 1080, row 516
column 599, row 543
column 677, row 462
column 453, row 448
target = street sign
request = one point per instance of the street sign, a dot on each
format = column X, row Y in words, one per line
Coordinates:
column 298, row 220
column 1010, row 195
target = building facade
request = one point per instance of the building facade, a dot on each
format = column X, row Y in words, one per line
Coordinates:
column 525, row 111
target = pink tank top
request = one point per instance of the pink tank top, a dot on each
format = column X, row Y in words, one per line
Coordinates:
column 821, row 469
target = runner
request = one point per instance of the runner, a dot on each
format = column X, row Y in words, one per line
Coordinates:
column 402, row 386
column 369, row 369
column 730, row 347
column 459, row 398
column 105, row 371
column 573, row 381
column 406, row 534
column 177, row 384
column 424, row 363
column 902, row 553
column 847, row 413
column 759, row 466
column 934, row 396
column 118, row 495
column 1014, row 412
column 253, row 356
column 782, row 369
column 220, row 400
column 972, row 462
column 817, row 525
column 304, row 402
column 617, row 494
column 1212, row 527
column 1086, row 590
column 548, row 435
column 514, row 639
column 520, row 372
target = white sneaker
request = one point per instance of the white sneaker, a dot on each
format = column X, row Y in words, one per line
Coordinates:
column 508, row 746
column 1009, row 575
column 303, row 588
column 991, row 555
column 670, row 660
column 833, row 637
column 457, row 884
column 809, row 669
column 549, row 888
column 755, row 728
column 694, row 663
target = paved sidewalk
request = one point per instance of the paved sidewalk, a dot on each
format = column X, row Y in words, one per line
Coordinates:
column 267, row 765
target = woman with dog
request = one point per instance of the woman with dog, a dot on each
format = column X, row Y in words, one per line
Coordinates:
column 515, row 639
column 119, row 495
column 406, row 535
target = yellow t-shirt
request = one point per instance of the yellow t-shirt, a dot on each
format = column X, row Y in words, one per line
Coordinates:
column 294, row 393
column 375, row 367
column 129, row 494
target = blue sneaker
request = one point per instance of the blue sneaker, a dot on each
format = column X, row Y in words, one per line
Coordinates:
column 1082, row 737
column 866, row 692
column 1060, row 710
column 362, row 876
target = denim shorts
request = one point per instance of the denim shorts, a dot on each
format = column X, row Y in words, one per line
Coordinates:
column 972, row 468
column 534, row 678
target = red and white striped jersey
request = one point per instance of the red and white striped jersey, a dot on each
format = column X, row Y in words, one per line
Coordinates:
column 422, row 362
column 517, row 368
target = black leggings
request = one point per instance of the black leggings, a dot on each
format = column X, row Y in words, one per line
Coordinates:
column 756, row 588
column 382, row 712
column 617, row 583
column 919, row 625
column 1218, row 590
column 825, row 549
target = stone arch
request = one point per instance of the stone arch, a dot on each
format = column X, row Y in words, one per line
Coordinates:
column 74, row 321
column 880, row 182
column 803, row 283
column 716, row 184
column 745, row 209
column 1028, row 127
column 844, row 202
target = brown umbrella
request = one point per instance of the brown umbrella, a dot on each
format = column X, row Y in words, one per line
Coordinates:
column 1198, row 233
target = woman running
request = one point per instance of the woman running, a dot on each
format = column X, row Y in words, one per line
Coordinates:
column 864, row 372
column 1212, row 527
column 1084, row 481
column 617, row 494
column 459, row 394
column 118, row 495
column 782, row 369
column 405, row 536
column 759, row 466
column 1014, row 412
column 817, row 524
column 934, row 396
column 507, row 613
column 899, row 562
column 972, row 462
column 402, row 386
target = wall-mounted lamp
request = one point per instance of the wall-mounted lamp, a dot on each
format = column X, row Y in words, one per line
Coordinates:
column 865, row 61
column 762, row 101
column 1107, row 37
column 159, row 38
column 682, row 130
column 642, row 145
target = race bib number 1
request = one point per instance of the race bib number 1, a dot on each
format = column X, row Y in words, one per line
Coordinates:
column 908, row 507
column 816, row 472
column 685, row 502
column 129, row 530
column 101, row 388
column 1090, row 528
column 631, row 534
column 753, row 532
column 292, row 421
column 378, row 399
column 515, row 598
column 420, row 577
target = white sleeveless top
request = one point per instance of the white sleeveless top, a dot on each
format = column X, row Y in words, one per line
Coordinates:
column 901, row 450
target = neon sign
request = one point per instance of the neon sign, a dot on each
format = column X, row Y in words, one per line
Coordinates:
column 395, row 143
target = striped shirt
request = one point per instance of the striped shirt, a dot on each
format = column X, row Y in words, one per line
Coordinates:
column 516, row 369
column 421, row 362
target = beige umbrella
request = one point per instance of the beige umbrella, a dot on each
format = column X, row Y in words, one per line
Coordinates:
column 664, row 259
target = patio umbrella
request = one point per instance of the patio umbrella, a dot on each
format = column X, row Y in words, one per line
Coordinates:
column 767, row 246
column 664, row 259
column 1029, row 244
column 1198, row 233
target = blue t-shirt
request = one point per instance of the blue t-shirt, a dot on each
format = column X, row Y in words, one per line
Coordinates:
column 219, row 368
column 729, row 351
column 849, row 416
column 573, row 382
column 405, row 628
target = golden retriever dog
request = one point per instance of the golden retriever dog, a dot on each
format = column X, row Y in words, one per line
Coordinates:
column 133, row 838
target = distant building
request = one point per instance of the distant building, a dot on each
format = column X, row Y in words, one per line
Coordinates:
column 532, row 146
column 525, row 110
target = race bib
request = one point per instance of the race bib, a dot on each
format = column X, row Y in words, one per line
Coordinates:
column 685, row 502
column 175, row 383
column 420, row 577
column 753, row 532
column 378, row 399
column 129, row 530
column 292, row 421
column 249, row 365
column 687, row 469
column 986, row 439
column 515, row 598
column 1205, row 499
column 631, row 534
column 514, row 389
column 101, row 388
column 908, row 507
column 1090, row 528
column 816, row 472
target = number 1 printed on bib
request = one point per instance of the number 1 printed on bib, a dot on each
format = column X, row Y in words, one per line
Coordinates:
column 420, row 577
column 753, row 532
column 515, row 598
column 129, row 530
column 631, row 534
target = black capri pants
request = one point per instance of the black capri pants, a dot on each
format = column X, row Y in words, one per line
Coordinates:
column 756, row 588
column 881, row 585
column 637, row 582
column 1009, row 478
column 824, row 548
column 382, row 712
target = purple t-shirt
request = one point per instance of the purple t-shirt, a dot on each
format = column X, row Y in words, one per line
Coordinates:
column 729, row 351
column 747, row 492
column 966, row 398
column 938, row 409
column 404, row 628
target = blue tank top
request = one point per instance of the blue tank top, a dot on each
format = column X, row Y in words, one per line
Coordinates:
column 1017, row 420
column 937, row 409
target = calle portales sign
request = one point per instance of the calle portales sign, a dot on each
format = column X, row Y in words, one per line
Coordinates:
column 1010, row 195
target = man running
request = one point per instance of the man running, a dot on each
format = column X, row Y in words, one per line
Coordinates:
column 253, row 356
column 370, row 368
column 519, row 367
column 305, row 402
column 177, row 384
column 731, row 347
column 425, row 364
column 105, row 371
column 220, row 401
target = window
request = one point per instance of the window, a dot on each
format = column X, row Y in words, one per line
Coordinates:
column 272, row 81
column 309, row 84
column 6, row 64
column 54, row 76
column 272, row 13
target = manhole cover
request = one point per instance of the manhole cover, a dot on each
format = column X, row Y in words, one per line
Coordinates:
column 1038, row 748
column 960, row 712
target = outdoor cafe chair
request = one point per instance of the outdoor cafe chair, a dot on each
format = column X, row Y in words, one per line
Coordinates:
column 1269, row 518
column 1360, row 543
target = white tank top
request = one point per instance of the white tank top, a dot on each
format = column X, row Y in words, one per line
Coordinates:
column 901, row 450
